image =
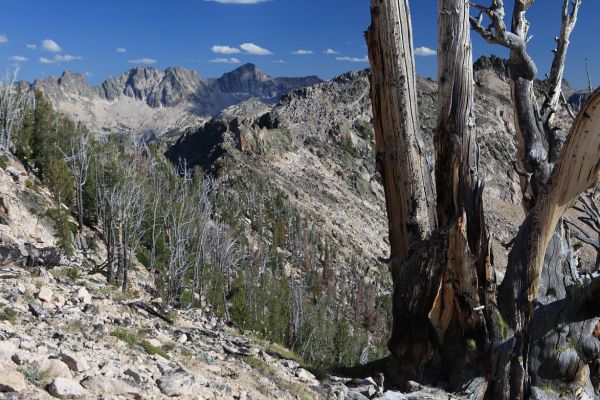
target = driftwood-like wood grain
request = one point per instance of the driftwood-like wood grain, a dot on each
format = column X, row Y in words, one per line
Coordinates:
column 459, row 186
column 444, row 281
column 532, row 156
column 542, row 286
column 401, row 158
column 576, row 171
column 446, row 327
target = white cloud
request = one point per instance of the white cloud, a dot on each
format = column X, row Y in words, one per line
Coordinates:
column 238, row 1
column 225, row 49
column 3, row 38
column 425, row 52
column 51, row 46
column 142, row 61
column 31, row 46
column 255, row 49
column 302, row 52
column 231, row 60
column 66, row 58
column 18, row 58
column 353, row 59
column 121, row 50
column 88, row 74
column 279, row 61
column 44, row 60
column 331, row 51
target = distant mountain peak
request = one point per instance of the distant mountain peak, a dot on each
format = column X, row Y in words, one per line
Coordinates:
column 247, row 67
column 172, row 87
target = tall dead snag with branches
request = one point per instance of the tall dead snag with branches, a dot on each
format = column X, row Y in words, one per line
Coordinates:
column 443, row 275
column 77, row 155
column 446, row 324
column 12, row 111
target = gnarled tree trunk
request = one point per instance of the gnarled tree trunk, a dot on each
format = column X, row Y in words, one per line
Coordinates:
column 444, row 283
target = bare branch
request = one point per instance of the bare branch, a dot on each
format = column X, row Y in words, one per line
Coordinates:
column 589, row 77
column 567, row 106
column 496, row 32
column 582, row 235
column 570, row 10
column 12, row 110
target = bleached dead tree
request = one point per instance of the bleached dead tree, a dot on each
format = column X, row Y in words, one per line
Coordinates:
column 132, row 200
column 77, row 156
column 225, row 257
column 122, row 198
column 180, row 229
column 201, row 240
column 12, row 110
column 447, row 327
column 157, row 177
column 106, row 211
column 589, row 77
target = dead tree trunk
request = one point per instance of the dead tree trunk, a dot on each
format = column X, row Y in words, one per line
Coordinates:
column 445, row 285
column 464, row 310
column 545, row 299
column 401, row 157
column 555, row 78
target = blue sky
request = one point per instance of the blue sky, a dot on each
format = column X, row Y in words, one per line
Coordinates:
column 107, row 37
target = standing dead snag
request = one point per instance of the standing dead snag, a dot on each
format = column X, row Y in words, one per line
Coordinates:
column 77, row 155
column 401, row 160
column 555, row 78
column 536, row 275
column 443, row 279
column 12, row 111
column 570, row 10
column 577, row 170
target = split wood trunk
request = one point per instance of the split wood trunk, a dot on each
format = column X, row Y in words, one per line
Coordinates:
column 444, row 280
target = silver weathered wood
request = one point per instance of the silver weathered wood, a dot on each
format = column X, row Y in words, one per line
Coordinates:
column 401, row 156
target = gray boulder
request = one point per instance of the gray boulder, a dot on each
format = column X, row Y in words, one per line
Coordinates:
column 180, row 383
column 65, row 388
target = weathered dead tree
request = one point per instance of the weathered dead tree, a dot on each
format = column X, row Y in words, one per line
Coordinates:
column 590, row 219
column 447, row 327
column 555, row 78
column 12, row 110
column 443, row 275
column 77, row 155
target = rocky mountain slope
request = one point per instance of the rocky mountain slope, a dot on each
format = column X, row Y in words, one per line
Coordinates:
column 65, row 333
column 150, row 102
column 316, row 145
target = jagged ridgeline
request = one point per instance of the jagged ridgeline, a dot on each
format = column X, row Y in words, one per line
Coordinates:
column 150, row 102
